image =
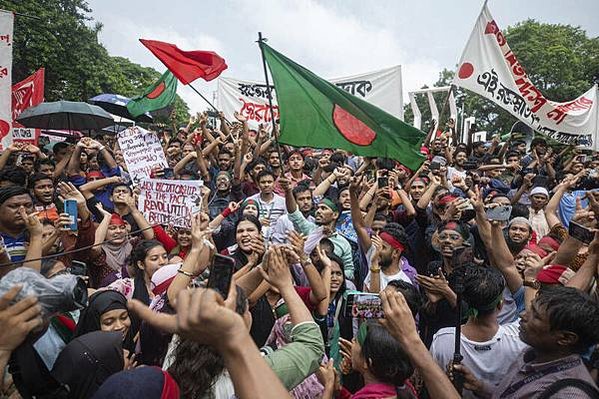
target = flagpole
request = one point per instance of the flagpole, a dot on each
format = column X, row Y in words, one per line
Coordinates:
column 204, row 98
column 262, row 40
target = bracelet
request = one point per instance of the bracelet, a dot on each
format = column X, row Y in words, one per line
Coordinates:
column 101, row 148
column 375, row 270
column 226, row 212
column 188, row 274
column 306, row 263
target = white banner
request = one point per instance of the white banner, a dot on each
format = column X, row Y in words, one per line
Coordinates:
column 6, row 40
column 382, row 88
column 489, row 67
column 142, row 152
column 169, row 202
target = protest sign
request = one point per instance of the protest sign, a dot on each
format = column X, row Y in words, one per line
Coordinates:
column 142, row 152
column 381, row 88
column 170, row 202
column 489, row 68
column 6, row 41
column 25, row 94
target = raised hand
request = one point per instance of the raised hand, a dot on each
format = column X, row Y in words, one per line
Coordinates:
column 18, row 319
column 278, row 274
column 32, row 222
column 241, row 118
column 68, row 191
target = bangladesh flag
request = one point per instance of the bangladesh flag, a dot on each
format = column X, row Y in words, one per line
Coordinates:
column 157, row 96
column 316, row 113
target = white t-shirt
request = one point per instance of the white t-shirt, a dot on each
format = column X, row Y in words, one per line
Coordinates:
column 489, row 360
column 271, row 210
column 384, row 277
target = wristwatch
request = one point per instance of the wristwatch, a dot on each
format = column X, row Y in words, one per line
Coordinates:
column 534, row 283
column 375, row 269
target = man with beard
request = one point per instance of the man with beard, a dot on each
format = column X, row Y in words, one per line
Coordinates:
column 274, row 161
column 560, row 324
column 325, row 219
column 225, row 193
column 457, row 170
column 42, row 188
column 519, row 232
column 386, row 260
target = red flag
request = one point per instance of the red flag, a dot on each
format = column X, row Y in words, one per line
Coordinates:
column 187, row 66
column 27, row 93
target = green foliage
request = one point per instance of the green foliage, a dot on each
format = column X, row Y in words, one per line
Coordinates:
column 65, row 41
column 559, row 59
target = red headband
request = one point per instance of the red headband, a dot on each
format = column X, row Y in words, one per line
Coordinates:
column 116, row 219
column 389, row 239
column 446, row 199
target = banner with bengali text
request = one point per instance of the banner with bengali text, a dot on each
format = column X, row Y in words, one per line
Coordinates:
column 489, row 68
column 382, row 88
column 6, row 40
column 25, row 94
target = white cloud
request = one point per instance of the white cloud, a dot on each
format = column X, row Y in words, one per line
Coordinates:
column 329, row 41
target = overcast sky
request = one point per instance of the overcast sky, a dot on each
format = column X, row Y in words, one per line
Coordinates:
column 331, row 38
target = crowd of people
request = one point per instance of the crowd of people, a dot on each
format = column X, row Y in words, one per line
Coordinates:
column 495, row 241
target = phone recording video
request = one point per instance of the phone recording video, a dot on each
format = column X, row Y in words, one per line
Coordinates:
column 221, row 273
column 364, row 305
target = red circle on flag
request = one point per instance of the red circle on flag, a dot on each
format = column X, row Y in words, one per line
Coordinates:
column 157, row 91
column 466, row 70
column 351, row 128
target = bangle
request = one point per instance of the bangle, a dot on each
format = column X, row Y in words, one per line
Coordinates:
column 101, row 148
column 307, row 262
column 375, row 269
column 188, row 274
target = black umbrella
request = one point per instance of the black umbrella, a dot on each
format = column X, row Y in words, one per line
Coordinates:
column 117, row 105
column 115, row 129
column 68, row 115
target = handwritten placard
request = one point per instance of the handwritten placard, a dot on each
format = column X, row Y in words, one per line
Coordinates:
column 142, row 152
column 170, row 202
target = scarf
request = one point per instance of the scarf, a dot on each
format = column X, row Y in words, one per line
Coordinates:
column 117, row 254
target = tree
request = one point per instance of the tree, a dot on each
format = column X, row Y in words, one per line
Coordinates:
column 559, row 59
column 65, row 41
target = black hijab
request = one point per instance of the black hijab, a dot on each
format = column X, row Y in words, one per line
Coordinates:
column 99, row 303
column 87, row 361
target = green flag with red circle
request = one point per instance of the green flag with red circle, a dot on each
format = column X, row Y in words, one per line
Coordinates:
column 316, row 113
column 160, row 95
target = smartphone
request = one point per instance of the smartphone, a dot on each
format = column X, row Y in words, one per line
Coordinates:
column 70, row 207
column 221, row 273
column 169, row 173
column 581, row 158
column 78, row 268
column 364, row 305
column 501, row 213
column 383, row 179
column 581, row 233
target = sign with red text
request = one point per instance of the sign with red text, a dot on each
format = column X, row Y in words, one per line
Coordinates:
column 25, row 94
column 6, row 39
column 382, row 88
column 169, row 202
column 489, row 68
column 142, row 152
